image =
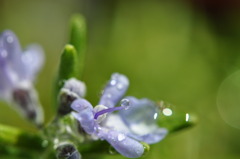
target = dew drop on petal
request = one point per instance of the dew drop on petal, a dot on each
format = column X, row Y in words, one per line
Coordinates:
column 113, row 82
column 121, row 137
column 109, row 95
column 141, row 118
column 9, row 39
column 3, row 54
column 119, row 86
column 125, row 103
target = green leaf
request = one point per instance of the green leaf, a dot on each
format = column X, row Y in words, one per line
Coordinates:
column 68, row 64
column 78, row 39
column 68, row 67
column 10, row 136
column 173, row 119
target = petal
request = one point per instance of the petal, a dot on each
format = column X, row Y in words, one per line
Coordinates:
column 85, row 114
column 114, row 121
column 140, row 111
column 9, row 42
column 8, row 76
column 32, row 59
column 75, row 87
column 141, row 120
column 151, row 138
column 114, row 90
column 125, row 145
column 25, row 101
column 5, row 85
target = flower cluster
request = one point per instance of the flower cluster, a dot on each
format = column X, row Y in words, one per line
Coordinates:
column 17, row 73
column 128, row 124
column 126, row 127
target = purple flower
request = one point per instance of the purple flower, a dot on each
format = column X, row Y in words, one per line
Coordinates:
column 133, row 123
column 17, row 71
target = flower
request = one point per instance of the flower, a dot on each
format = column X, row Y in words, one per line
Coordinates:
column 126, row 130
column 71, row 90
column 17, row 73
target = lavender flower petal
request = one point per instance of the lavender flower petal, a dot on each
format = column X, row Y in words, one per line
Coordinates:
column 75, row 87
column 9, row 42
column 6, row 80
column 140, row 111
column 125, row 145
column 32, row 59
column 85, row 114
column 141, row 120
column 114, row 90
column 151, row 138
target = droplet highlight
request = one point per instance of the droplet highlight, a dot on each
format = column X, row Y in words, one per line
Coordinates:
column 121, row 137
column 125, row 103
column 167, row 111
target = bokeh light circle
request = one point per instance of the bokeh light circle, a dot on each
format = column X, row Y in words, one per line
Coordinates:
column 228, row 100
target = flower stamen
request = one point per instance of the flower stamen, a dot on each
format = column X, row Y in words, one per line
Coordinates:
column 124, row 105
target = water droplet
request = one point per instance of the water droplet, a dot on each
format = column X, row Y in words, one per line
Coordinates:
column 125, row 103
column 3, row 53
column 119, row 86
column 109, row 95
column 187, row 117
column 113, row 82
column 121, row 137
column 143, row 120
column 155, row 116
column 146, row 148
column 167, row 111
column 9, row 39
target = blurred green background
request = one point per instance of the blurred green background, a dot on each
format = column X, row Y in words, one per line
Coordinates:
column 180, row 51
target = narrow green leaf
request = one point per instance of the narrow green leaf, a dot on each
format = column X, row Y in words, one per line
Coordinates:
column 68, row 66
column 78, row 39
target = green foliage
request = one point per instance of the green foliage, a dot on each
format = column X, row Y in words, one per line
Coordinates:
column 68, row 65
column 19, row 143
column 14, row 142
column 78, row 39
column 176, row 120
column 72, row 58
